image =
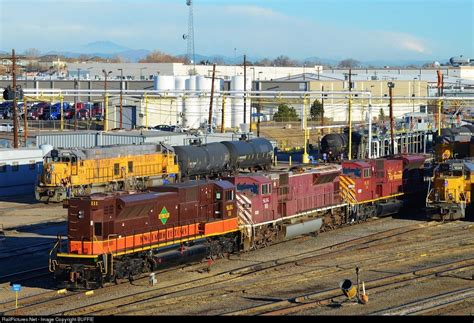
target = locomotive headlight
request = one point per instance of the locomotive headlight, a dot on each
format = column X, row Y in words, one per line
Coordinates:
column 80, row 214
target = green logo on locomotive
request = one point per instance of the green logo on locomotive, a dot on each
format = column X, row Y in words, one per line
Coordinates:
column 164, row 215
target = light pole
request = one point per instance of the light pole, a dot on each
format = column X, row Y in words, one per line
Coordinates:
column 121, row 96
column 235, row 61
column 391, row 85
column 106, row 100
column 370, row 122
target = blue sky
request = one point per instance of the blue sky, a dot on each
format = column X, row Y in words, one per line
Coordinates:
column 362, row 29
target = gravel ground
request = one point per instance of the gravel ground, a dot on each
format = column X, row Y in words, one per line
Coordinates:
column 311, row 277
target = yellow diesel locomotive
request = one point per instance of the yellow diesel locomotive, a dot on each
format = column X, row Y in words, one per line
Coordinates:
column 450, row 197
column 76, row 172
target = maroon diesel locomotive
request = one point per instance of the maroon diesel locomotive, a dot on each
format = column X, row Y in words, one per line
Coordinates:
column 121, row 234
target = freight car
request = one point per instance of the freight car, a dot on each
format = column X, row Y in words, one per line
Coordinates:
column 225, row 157
column 120, row 234
column 450, row 197
column 335, row 145
column 85, row 171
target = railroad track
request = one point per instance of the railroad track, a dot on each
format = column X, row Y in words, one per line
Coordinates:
column 430, row 304
column 38, row 302
column 172, row 290
column 216, row 290
column 215, row 287
column 310, row 301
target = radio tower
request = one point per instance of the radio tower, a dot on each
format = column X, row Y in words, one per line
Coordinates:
column 190, row 54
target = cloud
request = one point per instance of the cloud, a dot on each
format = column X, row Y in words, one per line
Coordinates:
column 252, row 29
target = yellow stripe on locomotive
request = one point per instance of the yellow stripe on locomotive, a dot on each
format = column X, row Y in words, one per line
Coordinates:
column 85, row 171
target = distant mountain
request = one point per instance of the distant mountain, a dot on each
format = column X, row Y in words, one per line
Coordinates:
column 107, row 50
column 106, row 47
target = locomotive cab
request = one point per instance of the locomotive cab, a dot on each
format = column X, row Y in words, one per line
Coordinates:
column 451, row 193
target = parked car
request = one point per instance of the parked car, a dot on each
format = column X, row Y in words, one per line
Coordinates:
column 8, row 112
column 7, row 127
column 37, row 110
column 83, row 114
column 97, row 111
column 54, row 111
column 170, row 128
column 69, row 113
column 4, row 107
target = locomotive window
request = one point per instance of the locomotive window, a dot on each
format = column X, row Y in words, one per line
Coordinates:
column 98, row 229
column 266, row 189
column 130, row 167
column 367, row 172
column 354, row 172
column 116, row 169
column 253, row 188
column 229, row 195
column 218, row 196
column 73, row 160
column 15, row 167
column 3, row 168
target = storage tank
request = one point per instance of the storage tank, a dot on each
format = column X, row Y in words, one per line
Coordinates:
column 180, row 85
column 237, row 84
column 164, row 83
column 191, row 114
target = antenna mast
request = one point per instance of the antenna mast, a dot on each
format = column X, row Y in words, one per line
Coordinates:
column 190, row 54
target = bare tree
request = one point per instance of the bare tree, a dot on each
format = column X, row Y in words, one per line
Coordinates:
column 264, row 62
column 284, row 61
column 158, row 56
column 349, row 63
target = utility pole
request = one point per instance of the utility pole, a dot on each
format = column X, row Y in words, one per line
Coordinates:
column 75, row 105
column 121, row 96
column 15, row 117
column 245, row 91
column 322, row 105
column 106, row 102
column 212, row 97
column 223, row 115
column 259, row 109
column 391, row 85
column 350, row 115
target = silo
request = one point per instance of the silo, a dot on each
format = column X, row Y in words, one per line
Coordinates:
column 203, row 85
column 164, row 83
column 237, row 106
column 191, row 105
column 180, row 87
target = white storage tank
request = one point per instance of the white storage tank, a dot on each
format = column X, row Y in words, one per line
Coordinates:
column 237, row 107
column 164, row 83
column 180, row 86
column 180, row 83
